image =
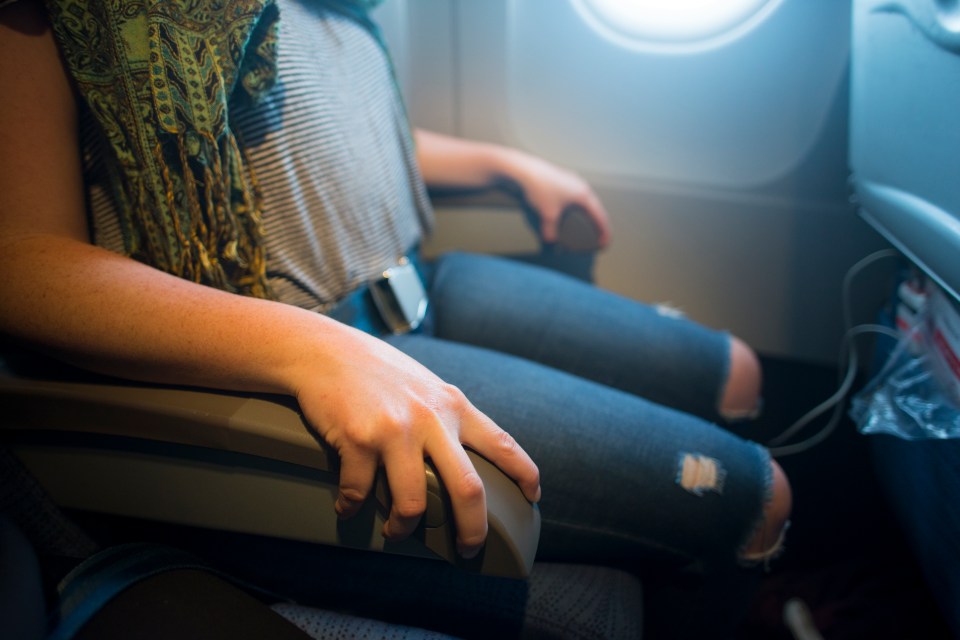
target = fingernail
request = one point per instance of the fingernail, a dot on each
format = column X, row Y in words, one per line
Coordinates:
column 468, row 553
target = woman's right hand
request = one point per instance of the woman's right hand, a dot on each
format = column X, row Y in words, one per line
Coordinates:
column 377, row 406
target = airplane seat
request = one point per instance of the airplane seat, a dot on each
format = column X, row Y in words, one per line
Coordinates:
column 233, row 461
column 239, row 481
column 905, row 88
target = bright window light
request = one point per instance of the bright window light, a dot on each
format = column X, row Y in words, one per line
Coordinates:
column 674, row 25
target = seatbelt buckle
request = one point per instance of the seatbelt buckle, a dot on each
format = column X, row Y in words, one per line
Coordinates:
column 400, row 297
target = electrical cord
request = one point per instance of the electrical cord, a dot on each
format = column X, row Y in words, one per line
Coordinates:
column 848, row 363
column 835, row 400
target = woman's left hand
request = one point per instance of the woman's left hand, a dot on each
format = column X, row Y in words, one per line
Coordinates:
column 448, row 161
column 550, row 190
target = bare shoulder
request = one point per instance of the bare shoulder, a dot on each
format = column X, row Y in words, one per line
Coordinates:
column 41, row 187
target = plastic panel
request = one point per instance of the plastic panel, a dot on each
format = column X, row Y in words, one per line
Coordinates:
column 723, row 117
column 231, row 461
column 904, row 129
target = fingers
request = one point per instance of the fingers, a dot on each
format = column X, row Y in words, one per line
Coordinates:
column 358, row 471
column 551, row 207
column 548, row 228
column 467, row 496
column 406, row 478
column 408, row 492
column 403, row 461
column 598, row 214
column 499, row 447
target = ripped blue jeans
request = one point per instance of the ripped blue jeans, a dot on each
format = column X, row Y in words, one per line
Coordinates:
column 612, row 399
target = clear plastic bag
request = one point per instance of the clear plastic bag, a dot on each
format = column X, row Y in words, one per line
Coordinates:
column 912, row 397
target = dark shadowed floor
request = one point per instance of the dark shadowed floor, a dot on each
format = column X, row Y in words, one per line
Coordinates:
column 846, row 556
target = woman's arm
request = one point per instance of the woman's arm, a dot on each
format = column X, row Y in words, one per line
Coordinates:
column 446, row 161
column 111, row 314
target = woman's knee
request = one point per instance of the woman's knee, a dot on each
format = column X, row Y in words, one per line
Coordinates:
column 741, row 394
column 767, row 539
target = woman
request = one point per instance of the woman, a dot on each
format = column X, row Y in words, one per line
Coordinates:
column 261, row 154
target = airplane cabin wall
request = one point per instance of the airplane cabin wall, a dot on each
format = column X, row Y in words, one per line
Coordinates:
column 724, row 169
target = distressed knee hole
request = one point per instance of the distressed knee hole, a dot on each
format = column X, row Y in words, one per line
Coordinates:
column 699, row 474
column 667, row 310
column 766, row 542
column 740, row 399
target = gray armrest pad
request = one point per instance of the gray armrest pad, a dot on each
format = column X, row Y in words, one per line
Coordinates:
column 576, row 232
column 232, row 461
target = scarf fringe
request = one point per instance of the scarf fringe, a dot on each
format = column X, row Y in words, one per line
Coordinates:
column 206, row 226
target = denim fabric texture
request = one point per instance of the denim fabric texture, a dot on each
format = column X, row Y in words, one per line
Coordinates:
column 610, row 398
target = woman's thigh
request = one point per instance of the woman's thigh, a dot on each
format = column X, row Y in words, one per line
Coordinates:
column 623, row 479
column 546, row 317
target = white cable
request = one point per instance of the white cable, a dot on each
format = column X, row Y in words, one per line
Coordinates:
column 854, row 271
column 799, row 620
column 835, row 401
column 848, row 357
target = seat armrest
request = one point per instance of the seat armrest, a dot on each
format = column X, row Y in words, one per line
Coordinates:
column 576, row 232
column 238, row 462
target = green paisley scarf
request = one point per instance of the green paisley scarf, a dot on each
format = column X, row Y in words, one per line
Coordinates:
column 158, row 76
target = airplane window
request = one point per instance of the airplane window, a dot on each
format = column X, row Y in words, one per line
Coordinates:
column 949, row 13
column 676, row 26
